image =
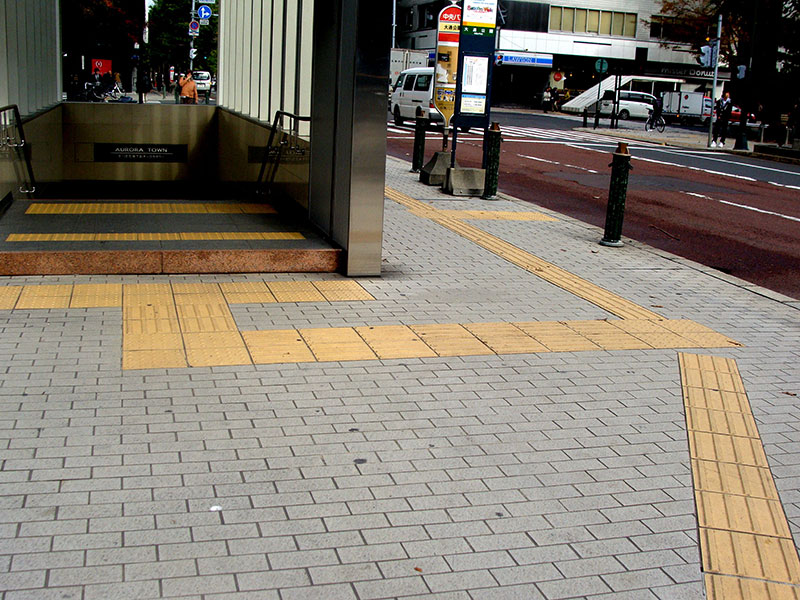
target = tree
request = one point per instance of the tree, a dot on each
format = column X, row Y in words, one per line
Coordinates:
column 168, row 25
column 100, row 29
column 752, row 33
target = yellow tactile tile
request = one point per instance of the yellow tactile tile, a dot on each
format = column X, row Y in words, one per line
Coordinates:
column 221, row 339
column 150, row 326
column 130, row 290
column 663, row 340
column 395, row 341
column 200, row 299
column 451, row 339
column 557, row 337
column 295, row 291
column 44, row 296
column 244, row 287
column 639, row 326
column 144, row 208
column 685, row 326
column 153, row 359
column 747, row 555
column 505, row 338
column 617, row 341
column 740, row 424
column 741, row 513
column 496, row 215
column 342, row 290
column 203, row 309
column 337, row 344
column 729, row 478
column 207, row 324
column 721, row 587
column 250, row 298
column 727, row 448
column 148, row 312
column 152, row 340
column 716, row 400
column 277, row 346
column 9, row 296
column 196, row 288
column 96, row 295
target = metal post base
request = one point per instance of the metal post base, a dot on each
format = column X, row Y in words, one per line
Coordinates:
column 611, row 244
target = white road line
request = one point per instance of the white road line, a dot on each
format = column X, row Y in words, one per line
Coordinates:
column 555, row 162
column 691, row 168
column 745, row 206
column 704, row 156
column 784, row 185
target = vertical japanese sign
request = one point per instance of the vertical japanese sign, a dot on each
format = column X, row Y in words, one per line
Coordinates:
column 476, row 50
column 446, row 75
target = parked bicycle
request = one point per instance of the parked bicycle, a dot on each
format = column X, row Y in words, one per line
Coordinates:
column 654, row 122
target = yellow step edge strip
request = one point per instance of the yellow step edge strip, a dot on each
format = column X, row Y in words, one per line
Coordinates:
column 115, row 295
column 746, row 546
column 154, row 237
column 383, row 342
column 145, row 208
column 590, row 292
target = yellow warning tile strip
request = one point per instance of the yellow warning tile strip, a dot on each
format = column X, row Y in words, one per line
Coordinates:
column 110, row 295
column 496, row 215
column 154, row 237
column 145, row 208
column 746, row 547
column 590, row 292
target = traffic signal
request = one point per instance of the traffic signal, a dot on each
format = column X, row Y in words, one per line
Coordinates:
column 706, row 56
column 192, row 53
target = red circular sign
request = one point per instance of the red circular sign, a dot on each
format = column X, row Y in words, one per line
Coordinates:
column 558, row 76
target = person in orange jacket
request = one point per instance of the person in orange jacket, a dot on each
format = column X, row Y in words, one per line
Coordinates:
column 188, row 89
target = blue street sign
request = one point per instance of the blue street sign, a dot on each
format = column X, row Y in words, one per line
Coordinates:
column 204, row 12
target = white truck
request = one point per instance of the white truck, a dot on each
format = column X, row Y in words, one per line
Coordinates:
column 687, row 107
column 403, row 58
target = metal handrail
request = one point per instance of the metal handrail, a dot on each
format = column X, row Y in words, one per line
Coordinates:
column 18, row 143
column 277, row 125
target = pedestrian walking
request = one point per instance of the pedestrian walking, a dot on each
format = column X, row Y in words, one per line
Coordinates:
column 554, row 99
column 546, row 99
column 143, row 85
column 724, row 108
column 188, row 89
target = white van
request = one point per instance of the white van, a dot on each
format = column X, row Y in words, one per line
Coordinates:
column 413, row 88
column 636, row 105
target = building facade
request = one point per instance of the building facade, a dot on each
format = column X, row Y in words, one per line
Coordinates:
column 541, row 44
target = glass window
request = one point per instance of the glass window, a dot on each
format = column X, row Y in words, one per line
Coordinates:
column 605, row 23
column 630, row 25
column 399, row 81
column 423, row 82
column 580, row 20
column 409, row 83
column 618, row 23
column 593, row 21
column 567, row 19
column 555, row 18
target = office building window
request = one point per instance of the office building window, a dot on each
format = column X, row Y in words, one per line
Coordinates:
column 601, row 22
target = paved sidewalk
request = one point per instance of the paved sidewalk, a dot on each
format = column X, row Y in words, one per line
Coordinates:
column 545, row 455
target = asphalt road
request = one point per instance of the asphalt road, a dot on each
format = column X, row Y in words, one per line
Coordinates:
column 735, row 214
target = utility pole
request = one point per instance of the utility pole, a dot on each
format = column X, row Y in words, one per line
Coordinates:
column 714, row 85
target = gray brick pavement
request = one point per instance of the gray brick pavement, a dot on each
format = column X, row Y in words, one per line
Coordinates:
column 528, row 476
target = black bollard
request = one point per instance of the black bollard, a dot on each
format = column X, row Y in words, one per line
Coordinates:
column 617, row 190
column 597, row 117
column 585, row 117
column 418, row 157
column 491, row 160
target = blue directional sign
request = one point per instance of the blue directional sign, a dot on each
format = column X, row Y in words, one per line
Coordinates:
column 204, row 12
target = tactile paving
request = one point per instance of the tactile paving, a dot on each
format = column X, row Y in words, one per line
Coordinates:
column 395, row 341
column 277, row 346
column 451, row 339
column 342, row 290
column 337, row 344
column 9, row 296
column 744, row 533
column 144, row 208
column 295, row 291
column 505, row 338
column 154, row 359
